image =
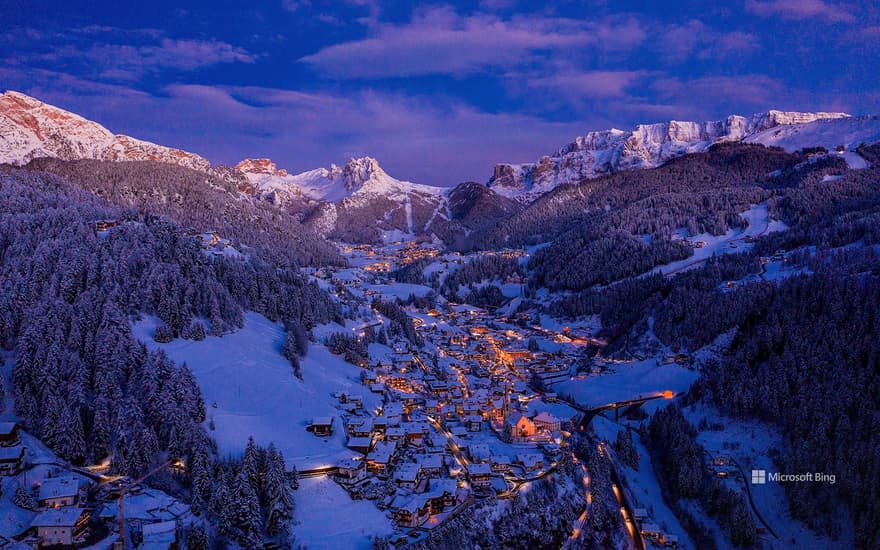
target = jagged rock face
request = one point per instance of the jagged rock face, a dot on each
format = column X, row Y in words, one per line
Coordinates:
column 32, row 129
column 359, row 171
column 647, row 145
column 260, row 166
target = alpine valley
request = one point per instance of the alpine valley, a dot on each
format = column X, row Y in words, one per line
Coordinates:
column 626, row 343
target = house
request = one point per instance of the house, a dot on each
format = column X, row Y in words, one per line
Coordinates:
column 381, row 458
column 360, row 444
column 11, row 460
column 408, row 476
column 479, row 474
column 500, row 463
column 546, row 421
column 60, row 526
column 518, row 426
column 479, row 452
column 161, row 535
column 474, row 423
column 430, row 465
column 410, row 511
column 56, row 492
column 322, row 426
column 530, row 461
column 351, row 470
column 360, row 429
column 9, row 434
column 442, row 494
column 651, row 531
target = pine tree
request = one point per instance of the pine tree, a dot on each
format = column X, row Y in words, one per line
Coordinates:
column 197, row 539
column 245, row 520
column 279, row 498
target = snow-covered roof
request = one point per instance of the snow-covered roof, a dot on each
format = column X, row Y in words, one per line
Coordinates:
column 58, row 517
column 546, row 417
column 59, row 487
column 479, row 469
column 6, row 428
column 9, row 454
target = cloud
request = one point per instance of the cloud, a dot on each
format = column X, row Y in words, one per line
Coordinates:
column 440, row 41
column 682, row 41
column 800, row 9
column 145, row 51
column 588, row 84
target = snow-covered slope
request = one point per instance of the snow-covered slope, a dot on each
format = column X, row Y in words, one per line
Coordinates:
column 32, row 129
column 646, row 146
column 841, row 136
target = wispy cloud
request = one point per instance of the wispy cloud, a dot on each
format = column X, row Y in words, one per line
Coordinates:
column 800, row 9
column 440, row 41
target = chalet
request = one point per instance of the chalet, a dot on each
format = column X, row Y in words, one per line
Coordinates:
column 546, row 421
column 57, row 492
column 322, row 426
column 415, row 431
column 11, row 460
column 9, row 434
column 518, row 426
column 640, row 514
column 360, row 429
column 61, row 526
column 432, row 407
column 377, row 387
column 380, row 424
column 442, row 494
column 500, row 463
column 360, row 444
column 159, row 535
column 479, row 474
column 530, row 461
column 104, row 225
column 351, row 470
column 408, row 476
column 410, row 511
column 474, row 423
column 381, row 458
column 395, row 434
column 430, row 465
column 651, row 531
column 480, row 452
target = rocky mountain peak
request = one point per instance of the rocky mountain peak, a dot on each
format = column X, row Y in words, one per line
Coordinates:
column 358, row 171
column 260, row 166
column 32, row 129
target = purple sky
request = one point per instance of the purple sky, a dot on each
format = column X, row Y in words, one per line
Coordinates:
column 439, row 92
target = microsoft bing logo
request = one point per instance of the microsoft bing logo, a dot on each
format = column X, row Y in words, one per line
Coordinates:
column 759, row 477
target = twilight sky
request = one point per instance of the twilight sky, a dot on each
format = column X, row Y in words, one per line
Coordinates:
column 439, row 92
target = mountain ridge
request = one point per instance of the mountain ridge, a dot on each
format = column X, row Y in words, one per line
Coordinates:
column 646, row 146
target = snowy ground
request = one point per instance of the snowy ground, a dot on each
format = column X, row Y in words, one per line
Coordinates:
column 759, row 223
column 250, row 389
column 392, row 291
column 628, row 381
column 328, row 518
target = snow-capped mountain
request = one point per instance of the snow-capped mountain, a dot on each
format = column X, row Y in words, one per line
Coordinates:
column 646, row 146
column 839, row 136
column 32, row 129
column 361, row 176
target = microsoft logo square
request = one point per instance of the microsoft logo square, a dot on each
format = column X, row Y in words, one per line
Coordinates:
column 759, row 477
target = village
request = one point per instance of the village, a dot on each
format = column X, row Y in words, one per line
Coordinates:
column 469, row 415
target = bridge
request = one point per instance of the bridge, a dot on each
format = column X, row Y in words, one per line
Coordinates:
column 617, row 406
